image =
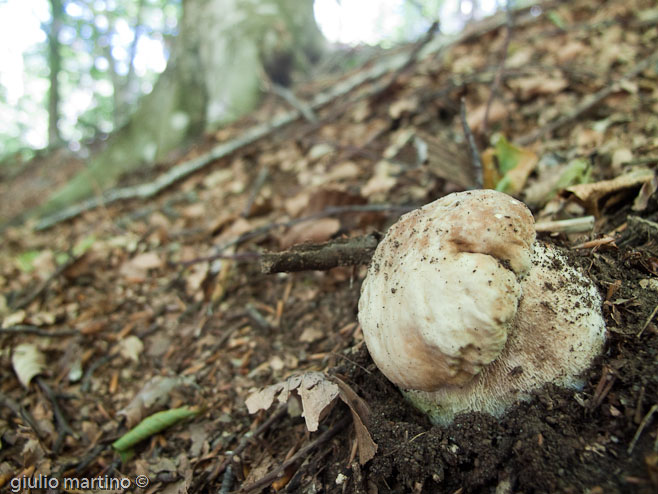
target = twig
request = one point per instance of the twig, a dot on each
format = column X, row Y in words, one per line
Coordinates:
column 649, row 319
column 643, row 424
column 28, row 299
column 270, row 477
column 597, row 242
column 495, row 85
column 290, row 98
column 226, row 467
column 63, row 427
column 257, row 317
column 476, row 163
column 255, row 190
column 86, row 380
column 341, row 252
column 240, row 256
column 37, row 331
column 573, row 225
column 22, row 413
column 588, row 104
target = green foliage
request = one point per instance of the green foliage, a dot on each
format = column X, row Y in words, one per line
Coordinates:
column 99, row 70
column 25, row 260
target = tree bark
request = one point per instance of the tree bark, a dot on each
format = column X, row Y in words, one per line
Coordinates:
column 54, row 65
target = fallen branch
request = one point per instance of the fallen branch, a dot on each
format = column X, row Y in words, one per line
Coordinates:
column 182, row 170
column 342, row 252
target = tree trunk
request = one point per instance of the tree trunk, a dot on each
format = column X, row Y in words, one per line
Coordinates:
column 54, row 65
column 213, row 77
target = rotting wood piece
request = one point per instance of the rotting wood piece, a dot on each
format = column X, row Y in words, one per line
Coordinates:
column 341, row 252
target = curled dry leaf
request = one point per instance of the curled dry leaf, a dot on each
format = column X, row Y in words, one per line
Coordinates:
column 27, row 361
column 315, row 390
column 592, row 195
column 318, row 393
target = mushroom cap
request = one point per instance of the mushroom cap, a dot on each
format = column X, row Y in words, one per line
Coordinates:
column 558, row 330
column 464, row 311
column 443, row 288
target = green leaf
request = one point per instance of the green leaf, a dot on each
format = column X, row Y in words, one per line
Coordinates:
column 508, row 155
column 556, row 19
column 83, row 245
column 152, row 425
column 25, row 260
column 577, row 171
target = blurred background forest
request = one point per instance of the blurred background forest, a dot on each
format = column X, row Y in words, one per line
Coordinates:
column 72, row 71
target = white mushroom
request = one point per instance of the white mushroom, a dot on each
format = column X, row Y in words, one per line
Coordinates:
column 464, row 311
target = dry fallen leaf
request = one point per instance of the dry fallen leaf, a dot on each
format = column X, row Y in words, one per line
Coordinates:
column 319, row 230
column 315, row 390
column 538, row 85
column 136, row 268
column 591, row 194
column 27, row 361
column 131, row 348
column 318, row 393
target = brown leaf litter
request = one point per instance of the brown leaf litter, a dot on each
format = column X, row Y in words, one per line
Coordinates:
column 167, row 306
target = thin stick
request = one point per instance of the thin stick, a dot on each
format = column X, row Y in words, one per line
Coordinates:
column 495, row 85
column 258, row 185
column 643, row 424
column 646, row 324
column 573, row 225
column 86, row 380
column 289, row 97
column 226, row 467
column 274, row 474
column 37, row 331
column 63, row 427
column 476, row 162
column 28, row 299
column 330, row 211
column 22, row 413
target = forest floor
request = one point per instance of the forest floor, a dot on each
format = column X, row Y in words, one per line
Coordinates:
column 149, row 306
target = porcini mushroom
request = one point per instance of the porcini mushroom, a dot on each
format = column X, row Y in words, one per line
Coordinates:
column 465, row 311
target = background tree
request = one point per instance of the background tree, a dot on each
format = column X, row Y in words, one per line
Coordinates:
column 54, row 64
column 213, row 77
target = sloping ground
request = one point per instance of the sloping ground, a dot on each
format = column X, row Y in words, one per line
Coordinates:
column 141, row 307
